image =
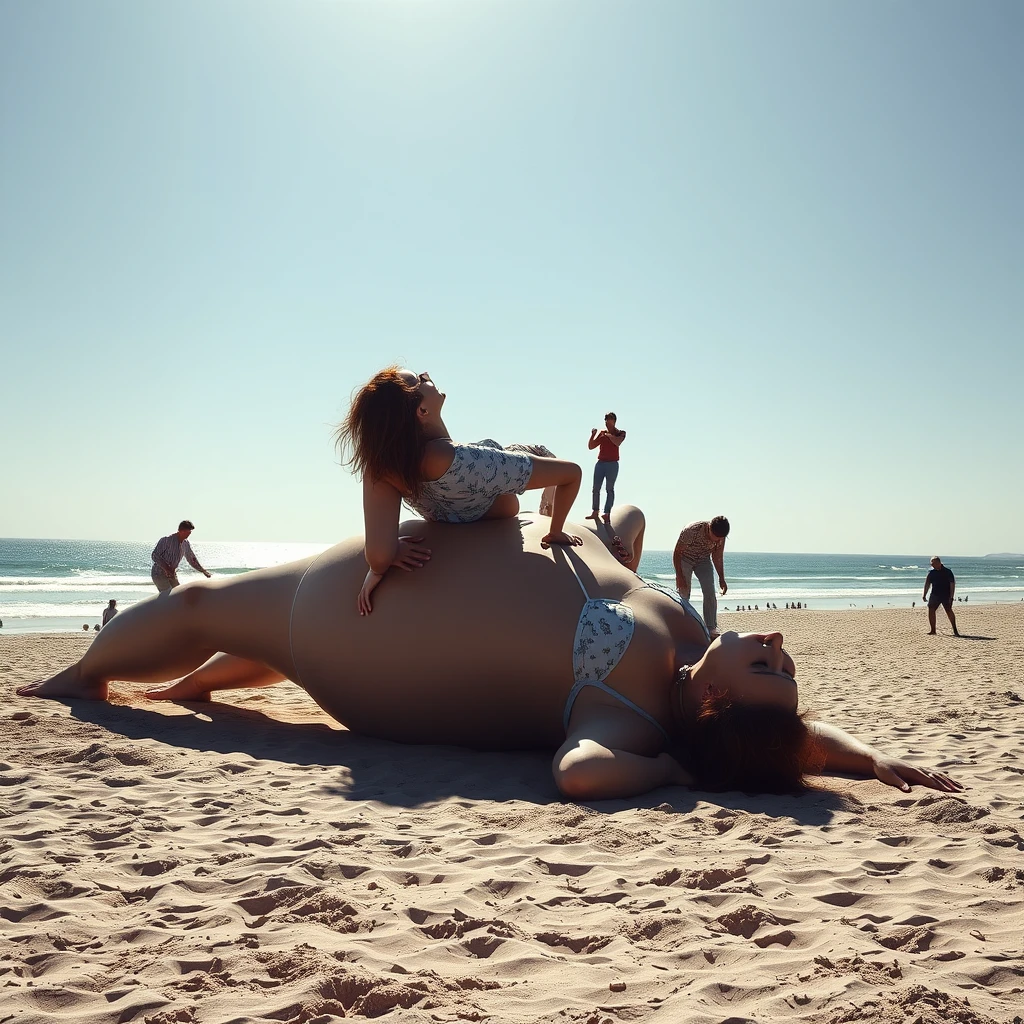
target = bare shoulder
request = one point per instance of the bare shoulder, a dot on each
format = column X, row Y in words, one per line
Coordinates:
column 437, row 458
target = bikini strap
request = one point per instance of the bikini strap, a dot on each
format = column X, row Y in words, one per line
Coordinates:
column 568, row 559
column 679, row 600
column 604, row 687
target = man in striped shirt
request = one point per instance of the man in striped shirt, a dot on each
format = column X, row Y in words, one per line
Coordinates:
column 701, row 546
column 168, row 553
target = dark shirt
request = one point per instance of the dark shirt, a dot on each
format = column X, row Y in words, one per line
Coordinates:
column 942, row 584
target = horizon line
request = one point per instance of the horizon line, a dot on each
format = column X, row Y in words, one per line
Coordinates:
column 327, row 544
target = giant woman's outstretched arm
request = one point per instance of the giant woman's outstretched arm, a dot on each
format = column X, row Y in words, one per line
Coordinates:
column 845, row 753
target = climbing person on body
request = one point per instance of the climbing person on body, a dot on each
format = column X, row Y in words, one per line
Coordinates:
column 395, row 438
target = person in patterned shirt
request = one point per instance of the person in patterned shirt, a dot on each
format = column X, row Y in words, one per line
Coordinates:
column 701, row 545
column 168, row 553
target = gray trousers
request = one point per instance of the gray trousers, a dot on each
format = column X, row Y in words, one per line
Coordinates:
column 163, row 582
column 704, row 570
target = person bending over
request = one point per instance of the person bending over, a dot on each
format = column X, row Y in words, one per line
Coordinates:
column 167, row 556
column 507, row 643
column 700, row 546
column 395, row 438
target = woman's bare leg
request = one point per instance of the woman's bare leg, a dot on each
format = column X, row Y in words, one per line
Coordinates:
column 547, row 497
column 221, row 672
column 171, row 635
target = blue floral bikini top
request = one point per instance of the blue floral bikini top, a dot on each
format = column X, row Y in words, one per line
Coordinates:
column 603, row 633
column 467, row 488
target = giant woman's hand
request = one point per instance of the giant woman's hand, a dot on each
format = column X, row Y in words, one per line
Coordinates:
column 896, row 772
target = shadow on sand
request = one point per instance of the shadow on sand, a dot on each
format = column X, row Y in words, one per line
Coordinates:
column 405, row 775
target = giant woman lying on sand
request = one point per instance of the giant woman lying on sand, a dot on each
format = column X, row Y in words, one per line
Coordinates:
column 500, row 642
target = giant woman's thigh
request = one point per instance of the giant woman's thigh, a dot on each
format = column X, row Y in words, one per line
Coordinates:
column 245, row 615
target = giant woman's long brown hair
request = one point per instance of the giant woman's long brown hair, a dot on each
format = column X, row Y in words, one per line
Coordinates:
column 381, row 436
column 750, row 747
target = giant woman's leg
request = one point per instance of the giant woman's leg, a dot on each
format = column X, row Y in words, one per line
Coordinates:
column 221, row 672
column 167, row 636
column 627, row 527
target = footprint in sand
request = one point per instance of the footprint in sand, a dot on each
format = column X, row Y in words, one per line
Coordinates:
column 746, row 920
column 907, row 938
column 577, row 943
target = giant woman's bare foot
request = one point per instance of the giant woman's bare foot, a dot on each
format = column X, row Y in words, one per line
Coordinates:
column 183, row 689
column 69, row 683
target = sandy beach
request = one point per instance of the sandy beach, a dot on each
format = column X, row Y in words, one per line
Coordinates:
column 247, row 860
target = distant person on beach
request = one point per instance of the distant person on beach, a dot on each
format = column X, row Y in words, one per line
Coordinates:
column 701, row 545
column 167, row 556
column 943, row 587
column 506, row 643
column 608, row 442
column 395, row 438
column 110, row 611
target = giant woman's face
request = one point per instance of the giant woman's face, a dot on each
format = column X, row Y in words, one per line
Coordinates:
column 752, row 668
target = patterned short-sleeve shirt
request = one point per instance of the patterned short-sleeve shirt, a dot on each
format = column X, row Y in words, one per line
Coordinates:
column 695, row 542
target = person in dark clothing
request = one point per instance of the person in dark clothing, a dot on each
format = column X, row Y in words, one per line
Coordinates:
column 943, row 587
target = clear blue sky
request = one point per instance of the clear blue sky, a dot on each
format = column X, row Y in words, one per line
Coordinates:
column 784, row 241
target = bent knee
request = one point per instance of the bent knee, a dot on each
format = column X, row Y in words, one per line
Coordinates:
column 630, row 517
column 193, row 595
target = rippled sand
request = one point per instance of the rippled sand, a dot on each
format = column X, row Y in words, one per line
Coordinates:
column 245, row 861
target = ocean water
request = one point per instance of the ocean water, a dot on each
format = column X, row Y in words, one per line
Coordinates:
column 57, row 585
column 61, row 585
column 846, row 581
